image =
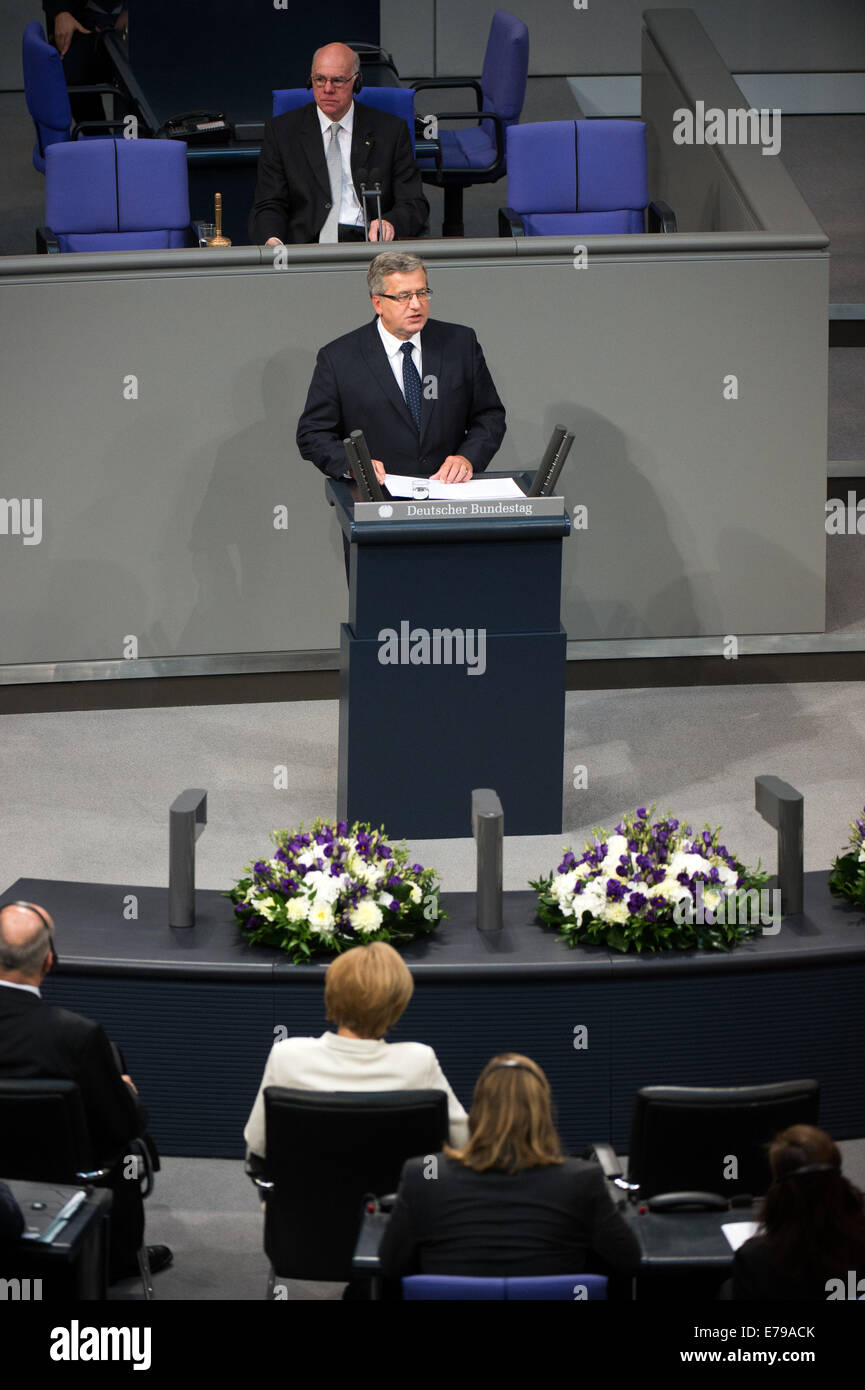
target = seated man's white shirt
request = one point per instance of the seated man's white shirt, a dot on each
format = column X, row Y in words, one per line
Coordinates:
column 350, row 214
column 332, row 1063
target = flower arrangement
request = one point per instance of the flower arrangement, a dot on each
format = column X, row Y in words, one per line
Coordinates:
column 652, row 886
column 847, row 879
column 329, row 888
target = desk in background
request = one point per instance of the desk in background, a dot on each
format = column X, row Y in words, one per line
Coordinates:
column 72, row 1263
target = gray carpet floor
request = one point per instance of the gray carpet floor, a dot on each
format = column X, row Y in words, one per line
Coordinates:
column 87, row 793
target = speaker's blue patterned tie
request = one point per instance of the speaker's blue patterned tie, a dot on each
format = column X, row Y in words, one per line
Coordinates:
column 411, row 384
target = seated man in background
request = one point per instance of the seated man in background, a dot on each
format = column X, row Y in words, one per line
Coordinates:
column 39, row 1040
column 74, row 29
column 311, row 160
column 366, row 991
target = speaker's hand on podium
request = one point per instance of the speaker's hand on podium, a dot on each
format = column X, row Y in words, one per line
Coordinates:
column 455, row 469
column 380, row 470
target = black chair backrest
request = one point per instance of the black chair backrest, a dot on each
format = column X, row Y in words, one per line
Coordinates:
column 325, row 1151
column 712, row 1139
column 43, row 1131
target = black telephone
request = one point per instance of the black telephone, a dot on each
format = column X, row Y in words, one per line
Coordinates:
column 198, row 127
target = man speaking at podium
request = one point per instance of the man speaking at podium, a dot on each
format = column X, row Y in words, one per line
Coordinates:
column 419, row 389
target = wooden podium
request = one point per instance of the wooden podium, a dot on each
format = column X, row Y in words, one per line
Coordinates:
column 452, row 663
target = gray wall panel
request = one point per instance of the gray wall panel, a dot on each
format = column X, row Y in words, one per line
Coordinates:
column 752, row 35
column 14, row 17
column 705, row 516
column 408, row 32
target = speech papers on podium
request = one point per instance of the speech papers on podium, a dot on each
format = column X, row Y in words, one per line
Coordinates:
column 474, row 490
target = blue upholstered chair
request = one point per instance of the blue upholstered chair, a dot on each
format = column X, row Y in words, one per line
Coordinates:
column 546, row 1288
column 115, row 195
column 478, row 154
column 580, row 178
column 47, row 95
column 398, row 101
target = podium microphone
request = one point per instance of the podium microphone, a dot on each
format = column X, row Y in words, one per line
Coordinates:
column 552, row 463
column 361, row 466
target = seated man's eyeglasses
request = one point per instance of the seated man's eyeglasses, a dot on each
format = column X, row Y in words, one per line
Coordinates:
column 405, row 295
column 319, row 80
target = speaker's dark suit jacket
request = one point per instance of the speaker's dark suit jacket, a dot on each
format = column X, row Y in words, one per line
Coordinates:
column 38, row 1039
column 354, row 388
column 292, row 195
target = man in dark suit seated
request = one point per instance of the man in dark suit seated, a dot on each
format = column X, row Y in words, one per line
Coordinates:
column 310, row 160
column 419, row 389
column 74, row 27
column 41, row 1040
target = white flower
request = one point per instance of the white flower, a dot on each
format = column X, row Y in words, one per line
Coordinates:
column 266, row 907
column 321, row 918
column 671, row 889
column 593, row 898
column 711, row 898
column 726, row 874
column 616, row 912
column 689, row 864
column 366, row 917
column 862, row 854
column 327, row 887
column 563, row 887
column 296, row 909
column 415, row 895
column 617, row 845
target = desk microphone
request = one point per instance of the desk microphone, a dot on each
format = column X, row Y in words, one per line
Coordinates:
column 362, row 177
column 552, row 463
column 370, row 190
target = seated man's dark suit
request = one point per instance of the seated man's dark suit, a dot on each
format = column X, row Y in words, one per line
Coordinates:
column 354, row 388
column 292, row 195
column 39, row 1040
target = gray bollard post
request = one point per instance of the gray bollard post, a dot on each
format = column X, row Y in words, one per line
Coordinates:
column 488, row 828
column 187, row 818
column 784, row 808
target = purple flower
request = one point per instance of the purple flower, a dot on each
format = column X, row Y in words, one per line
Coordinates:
column 615, row 890
column 260, row 867
column 641, row 813
column 636, row 901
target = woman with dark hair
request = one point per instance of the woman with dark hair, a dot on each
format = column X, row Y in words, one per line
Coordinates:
column 813, row 1223
column 508, row 1202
